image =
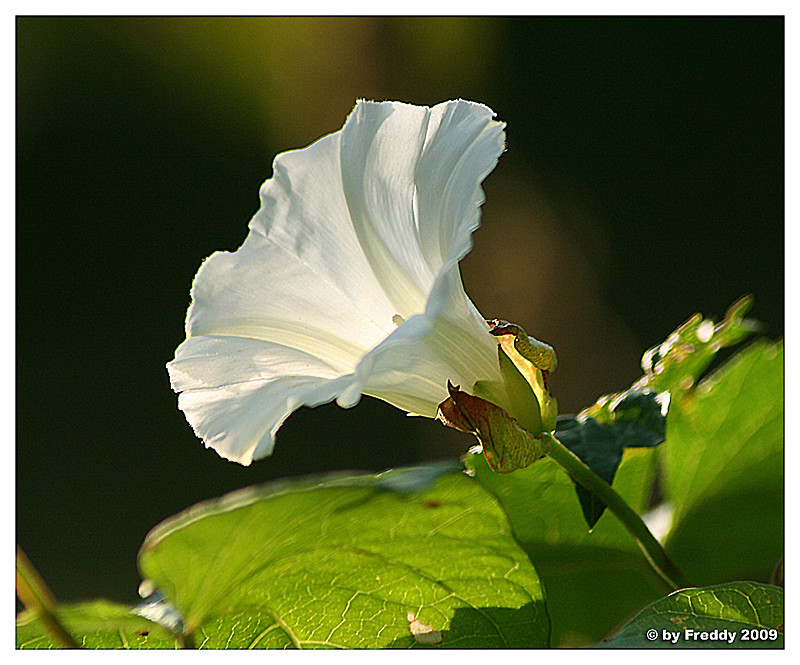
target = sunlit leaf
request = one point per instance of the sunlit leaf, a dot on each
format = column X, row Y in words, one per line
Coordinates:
column 724, row 470
column 676, row 364
column 736, row 615
column 96, row 625
column 594, row 580
column 340, row 563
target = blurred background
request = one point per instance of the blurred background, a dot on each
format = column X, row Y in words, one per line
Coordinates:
column 643, row 181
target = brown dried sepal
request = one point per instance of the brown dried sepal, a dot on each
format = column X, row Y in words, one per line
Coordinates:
column 507, row 446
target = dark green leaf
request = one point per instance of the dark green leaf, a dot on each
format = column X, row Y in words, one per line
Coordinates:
column 634, row 419
column 735, row 615
column 597, row 448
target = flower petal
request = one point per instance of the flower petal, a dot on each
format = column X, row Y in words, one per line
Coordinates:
column 463, row 146
column 411, row 181
column 264, row 292
column 304, row 214
column 450, row 341
column 358, row 232
column 236, row 392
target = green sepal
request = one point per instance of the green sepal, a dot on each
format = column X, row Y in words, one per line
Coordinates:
column 534, row 360
column 514, row 394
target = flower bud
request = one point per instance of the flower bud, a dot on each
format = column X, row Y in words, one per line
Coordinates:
column 508, row 416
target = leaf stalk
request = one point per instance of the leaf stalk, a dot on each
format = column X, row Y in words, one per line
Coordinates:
column 34, row 594
column 582, row 474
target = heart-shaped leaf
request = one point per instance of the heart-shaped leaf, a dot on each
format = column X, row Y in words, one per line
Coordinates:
column 341, row 562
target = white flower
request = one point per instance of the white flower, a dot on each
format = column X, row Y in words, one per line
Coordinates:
column 348, row 281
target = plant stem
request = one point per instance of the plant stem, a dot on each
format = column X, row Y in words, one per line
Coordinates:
column 35, row 595
column 652, row 549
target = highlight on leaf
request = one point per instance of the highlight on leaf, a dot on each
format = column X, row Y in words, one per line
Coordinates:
column 677, row 363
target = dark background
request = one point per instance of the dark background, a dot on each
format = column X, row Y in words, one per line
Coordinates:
column 643, row 182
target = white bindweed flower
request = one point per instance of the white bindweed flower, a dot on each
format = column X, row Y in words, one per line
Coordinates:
column 348, row 281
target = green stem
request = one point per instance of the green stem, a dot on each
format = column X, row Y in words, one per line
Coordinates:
column 652, row 549
column 35, row 595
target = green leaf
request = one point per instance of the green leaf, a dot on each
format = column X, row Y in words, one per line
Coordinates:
column 724, row 470
column 634, row 419
column 343, row 562
column 676, row 364
column 736, row 615
column 96, row 625
column 598, row 448
column 593, row 580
